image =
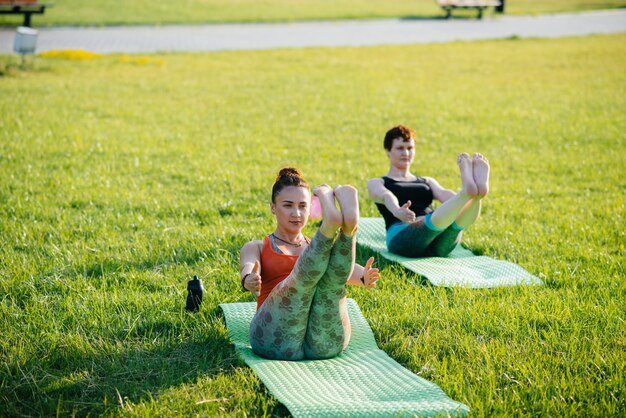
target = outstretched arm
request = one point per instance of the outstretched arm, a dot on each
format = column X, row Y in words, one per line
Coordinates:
column 364, row 275
column 439, row 193
column 380, row 194
column 250, row 270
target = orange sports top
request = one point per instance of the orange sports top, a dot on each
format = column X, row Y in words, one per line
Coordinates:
column 275, row 267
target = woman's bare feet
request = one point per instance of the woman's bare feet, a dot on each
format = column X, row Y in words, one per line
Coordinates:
column 331, row 216
column 347, row 197
column 467, row 177
column 480, row 169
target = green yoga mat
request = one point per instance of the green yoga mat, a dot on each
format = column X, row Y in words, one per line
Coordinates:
column 461, row 268
column 363, row 381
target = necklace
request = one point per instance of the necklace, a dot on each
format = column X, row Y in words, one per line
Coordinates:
column 295, row 244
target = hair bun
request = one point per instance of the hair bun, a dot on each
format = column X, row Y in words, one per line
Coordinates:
column 289, row 172
column 288, row 176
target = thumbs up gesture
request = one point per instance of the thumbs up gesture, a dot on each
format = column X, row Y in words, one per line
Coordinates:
column 404, row 213
column 370, row 275
column 252, row 280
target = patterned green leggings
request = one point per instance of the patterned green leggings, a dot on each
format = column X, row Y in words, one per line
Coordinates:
column 305, row 315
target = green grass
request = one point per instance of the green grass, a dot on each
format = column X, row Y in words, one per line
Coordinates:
column 99, row 12
column 124, row 176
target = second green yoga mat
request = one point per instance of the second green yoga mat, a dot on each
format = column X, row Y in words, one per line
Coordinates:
column 363, row 381
column 461, row 268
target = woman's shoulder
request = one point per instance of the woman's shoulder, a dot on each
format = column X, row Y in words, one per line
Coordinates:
column 377, row 179
column 430, row 181
column 375, row 184
column 253, row 245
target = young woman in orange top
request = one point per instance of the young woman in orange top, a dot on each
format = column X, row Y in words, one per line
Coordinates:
column 301, row 282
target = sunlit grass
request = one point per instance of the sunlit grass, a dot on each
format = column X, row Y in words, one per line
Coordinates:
column 123, row 176
column 103, row 12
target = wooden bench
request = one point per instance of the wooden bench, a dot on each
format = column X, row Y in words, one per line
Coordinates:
column 479, row 5
column 23, row 7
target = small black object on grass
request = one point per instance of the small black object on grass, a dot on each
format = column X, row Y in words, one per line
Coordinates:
column 194, row 294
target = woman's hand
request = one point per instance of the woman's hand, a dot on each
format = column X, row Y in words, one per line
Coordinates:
column 370, row 275
column 252, row 281
column 405, row 214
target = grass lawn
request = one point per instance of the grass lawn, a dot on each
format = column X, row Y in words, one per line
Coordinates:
column 123, row 176
column 99, row 12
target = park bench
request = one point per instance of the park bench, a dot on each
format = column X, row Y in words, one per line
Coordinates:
column 479, row 5
column 23, row 7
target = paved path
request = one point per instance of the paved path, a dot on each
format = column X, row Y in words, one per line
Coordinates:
column 217, row 37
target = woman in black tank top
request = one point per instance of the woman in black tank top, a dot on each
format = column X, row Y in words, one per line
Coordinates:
column 405, row 200
column 417, row 191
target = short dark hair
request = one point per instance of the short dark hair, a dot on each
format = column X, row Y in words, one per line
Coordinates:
column 288, row 176
column 400, row 131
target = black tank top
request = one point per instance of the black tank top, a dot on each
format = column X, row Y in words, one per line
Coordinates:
column 417, row 191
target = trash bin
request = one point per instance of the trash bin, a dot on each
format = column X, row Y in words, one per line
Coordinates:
column 25, row 40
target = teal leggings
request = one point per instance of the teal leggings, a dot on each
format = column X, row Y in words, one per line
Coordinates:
column 305, row 316
column 423, row 239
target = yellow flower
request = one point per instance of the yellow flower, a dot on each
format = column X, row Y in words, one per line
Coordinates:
column 75, row 54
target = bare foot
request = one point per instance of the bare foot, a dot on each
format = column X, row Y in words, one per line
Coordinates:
column 347, row 196
column 467, row 179
column 331, row 217
column 481, row 173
